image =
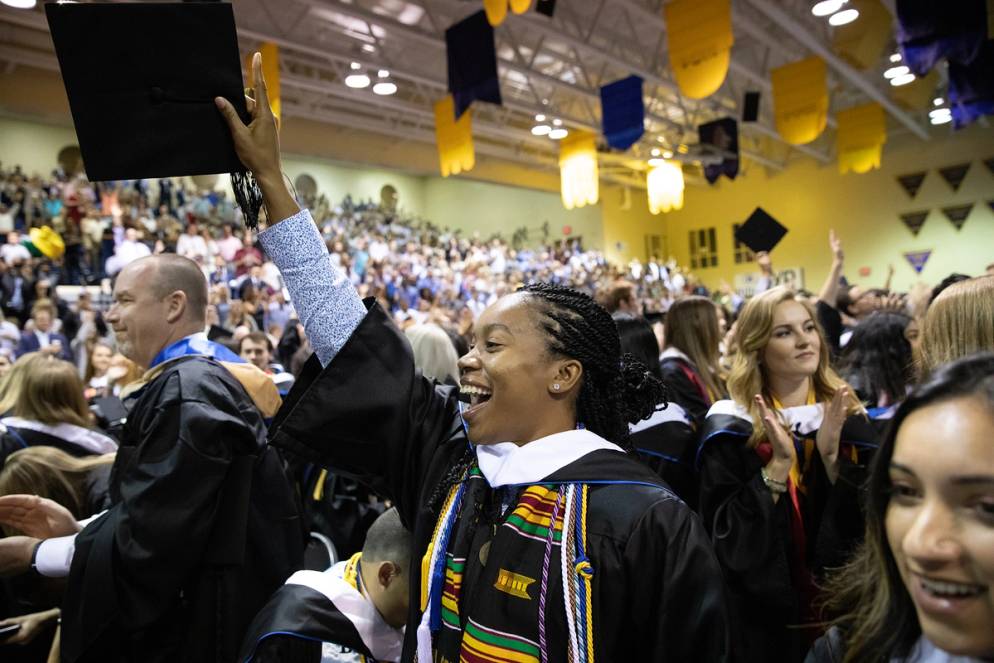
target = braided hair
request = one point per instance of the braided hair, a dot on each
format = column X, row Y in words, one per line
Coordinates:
column 615, row 390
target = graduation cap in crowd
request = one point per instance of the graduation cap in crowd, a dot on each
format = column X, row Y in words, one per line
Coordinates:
column 141, row 80
column 760, row 232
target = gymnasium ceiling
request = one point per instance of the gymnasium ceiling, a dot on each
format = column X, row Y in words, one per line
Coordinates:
column 552, row 66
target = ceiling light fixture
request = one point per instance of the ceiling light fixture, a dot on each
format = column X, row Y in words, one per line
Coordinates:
column 357, row 81
column 20, row 4
column 894, row 72
column 385, row 89
column 656, row 152
column 896, row 57
column 541, row 130
column 368, row 48
column 667, row 154
column 558, row 133
column 557, row 122
column 826, row 7
column 939, row 112
column 904, row 79
column 938, row 101
column 941, row 118
column 383, row 73
column 540, row 118
column 843, row 17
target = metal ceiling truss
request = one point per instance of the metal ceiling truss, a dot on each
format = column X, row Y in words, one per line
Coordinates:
column 551, row 66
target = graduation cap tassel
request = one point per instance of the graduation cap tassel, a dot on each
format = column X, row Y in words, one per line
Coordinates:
column 249, row 197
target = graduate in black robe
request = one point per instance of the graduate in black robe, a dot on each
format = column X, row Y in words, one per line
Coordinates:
column 782, row 499
column 545, row 541
column 203, row 525
column 353, row 612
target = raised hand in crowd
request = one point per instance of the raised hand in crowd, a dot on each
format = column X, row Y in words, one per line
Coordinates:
column 258, row 146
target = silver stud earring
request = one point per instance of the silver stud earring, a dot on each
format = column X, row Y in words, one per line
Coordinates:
column 555, row 386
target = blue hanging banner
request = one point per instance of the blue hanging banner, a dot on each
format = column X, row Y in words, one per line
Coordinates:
column 917, row 259
column 928, row 31
column 472, row 59
column 623, row 112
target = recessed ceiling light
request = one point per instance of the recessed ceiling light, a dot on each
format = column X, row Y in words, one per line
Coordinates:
column 355, row 66
column 541, row 130
column 655, row 152
column 558, row 134
column 898, row 81
column 540, row 118
column 557, row 122
column 938, row 101
column 667, row 154
column 843, row 17
column 826, row 7
column 940, row 112
column 357, row 81
column 942, row 119
column 896, row 57
column 383, row 73
column 894, row 72
column 384, row 89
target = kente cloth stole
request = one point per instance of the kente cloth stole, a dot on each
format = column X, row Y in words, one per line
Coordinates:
column 532, row 571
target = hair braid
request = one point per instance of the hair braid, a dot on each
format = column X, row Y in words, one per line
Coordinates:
column 615, row 391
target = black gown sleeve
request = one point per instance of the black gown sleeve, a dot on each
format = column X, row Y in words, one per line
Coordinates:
column 747, row 528
column 371, row 415
column 831, row 322
column 675, row 576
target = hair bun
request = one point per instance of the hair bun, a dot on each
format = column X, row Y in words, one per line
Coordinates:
column 642, row 391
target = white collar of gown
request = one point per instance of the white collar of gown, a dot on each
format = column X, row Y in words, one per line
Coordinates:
column 507, row 464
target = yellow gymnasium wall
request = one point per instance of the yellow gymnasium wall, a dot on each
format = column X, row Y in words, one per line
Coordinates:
column 809, row 199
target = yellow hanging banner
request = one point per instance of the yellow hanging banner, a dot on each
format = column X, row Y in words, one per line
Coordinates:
column 862, row 43
column 860, row 137
column 270, row 72
column 578, row 175
column 664, row 184
column 800, row 100
column 454, row 137
column 497, row 9
column 700, row 44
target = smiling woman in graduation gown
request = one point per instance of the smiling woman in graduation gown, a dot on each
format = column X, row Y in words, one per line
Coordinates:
column 559, row 548
column 781, row 494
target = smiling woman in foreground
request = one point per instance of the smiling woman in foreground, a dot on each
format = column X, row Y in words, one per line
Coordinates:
column 537, row 536
column 929, row 532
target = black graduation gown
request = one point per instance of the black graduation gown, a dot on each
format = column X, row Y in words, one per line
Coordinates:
column 657, row 590
column 685, row 392
column 202, row 530
column 754, row 538
column 667, row 443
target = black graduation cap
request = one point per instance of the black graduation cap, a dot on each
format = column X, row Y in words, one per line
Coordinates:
column 760, row 232
column 141, row 80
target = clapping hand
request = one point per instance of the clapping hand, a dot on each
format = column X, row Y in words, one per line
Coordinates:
column 783, row 446
column 830, row 433
column 31, row 626
column 37, row 517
